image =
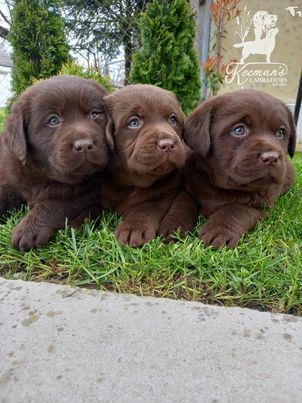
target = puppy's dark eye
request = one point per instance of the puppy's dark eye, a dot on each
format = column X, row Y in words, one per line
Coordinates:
column 94, row 114
column 134, row 123
column 280, row 133
column 53, row 121
column 172, row 120
column 238, row 131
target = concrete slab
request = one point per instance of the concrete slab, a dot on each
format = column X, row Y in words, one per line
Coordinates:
column 64, row 344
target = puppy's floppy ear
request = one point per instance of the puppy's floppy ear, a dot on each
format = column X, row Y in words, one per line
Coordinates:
column 109, row 101
column 15, row 132
column 109, row 133
column 292, row 136
column 197, row 128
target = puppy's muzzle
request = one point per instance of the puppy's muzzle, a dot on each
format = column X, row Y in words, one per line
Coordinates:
column 166, row 145
column 269, row 158
column 83, row 146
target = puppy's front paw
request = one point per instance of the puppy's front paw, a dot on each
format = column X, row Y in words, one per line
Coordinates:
column 167, row 230
column 218, row 236
column 135, row 233
column 26, row 236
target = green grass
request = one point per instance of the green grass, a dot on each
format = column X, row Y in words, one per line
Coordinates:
column 3, row 114
column 264, row 272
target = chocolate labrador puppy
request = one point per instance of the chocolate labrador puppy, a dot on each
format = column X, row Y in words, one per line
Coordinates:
column 145, row 132
column 51, row 152
column 239, row 167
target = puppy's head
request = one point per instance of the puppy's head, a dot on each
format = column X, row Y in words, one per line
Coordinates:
column 146, row 129
column 59, row 126
column 259, row 18
column 270, row 21
column 242, row 138
column 264, row 19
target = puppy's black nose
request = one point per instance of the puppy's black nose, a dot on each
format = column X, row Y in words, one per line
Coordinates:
column 269, row 157
column 166, row 144
column 83, row 145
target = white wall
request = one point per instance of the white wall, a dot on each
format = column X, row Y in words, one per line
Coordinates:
column 5, row 86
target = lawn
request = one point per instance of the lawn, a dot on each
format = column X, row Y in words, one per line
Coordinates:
column 264, row 272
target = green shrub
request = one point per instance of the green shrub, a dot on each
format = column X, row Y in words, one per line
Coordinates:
column 3, row 114
column 90, row 73
column 167, row 57
column 38, row 40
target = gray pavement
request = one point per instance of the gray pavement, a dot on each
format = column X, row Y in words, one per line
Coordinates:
column 64, row 344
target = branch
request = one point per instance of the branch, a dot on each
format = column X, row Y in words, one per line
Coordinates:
column 4, row 17
column 4, row 32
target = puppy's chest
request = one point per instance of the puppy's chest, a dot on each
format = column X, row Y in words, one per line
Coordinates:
column 38, row 193
column 211, row 198
column 122, row 198
column 259, row 200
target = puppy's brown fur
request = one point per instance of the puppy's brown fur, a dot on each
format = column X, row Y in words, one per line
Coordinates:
column 145, row 132
column 239, row 167
column 50, row 153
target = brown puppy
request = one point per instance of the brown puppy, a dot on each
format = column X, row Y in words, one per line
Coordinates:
column 145, row 131
column 239, row 167
column 52, row 147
